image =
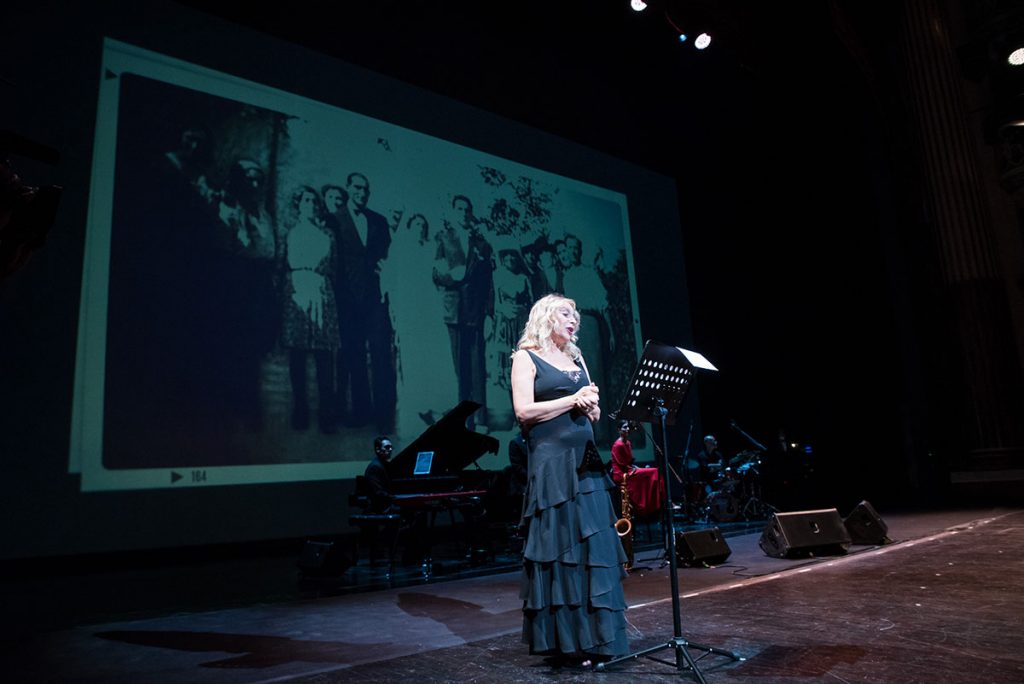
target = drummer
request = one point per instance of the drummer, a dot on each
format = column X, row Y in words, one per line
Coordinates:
column 709, row 460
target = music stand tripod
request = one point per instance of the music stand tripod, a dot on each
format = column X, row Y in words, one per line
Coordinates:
column 660, row 382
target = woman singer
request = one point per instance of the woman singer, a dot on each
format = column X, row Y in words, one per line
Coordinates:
column 574, row 607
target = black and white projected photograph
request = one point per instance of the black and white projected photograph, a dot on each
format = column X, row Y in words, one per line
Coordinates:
column 270, row 282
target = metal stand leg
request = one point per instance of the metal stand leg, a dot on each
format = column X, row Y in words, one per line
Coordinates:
column 756, row 508
column 678, row 644
column 684, row 660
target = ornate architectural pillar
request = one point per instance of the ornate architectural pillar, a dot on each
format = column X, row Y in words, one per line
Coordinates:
column 961, row 223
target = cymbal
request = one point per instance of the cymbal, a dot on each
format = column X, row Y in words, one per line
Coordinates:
column 743, row 457
column 692, row 464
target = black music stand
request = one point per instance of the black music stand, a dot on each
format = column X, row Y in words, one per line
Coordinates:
column 660, row 383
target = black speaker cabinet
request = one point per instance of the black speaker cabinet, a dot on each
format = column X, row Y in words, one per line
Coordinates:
column 701, row 547
column 805, row 533
column 866, row 526
column 323, row 558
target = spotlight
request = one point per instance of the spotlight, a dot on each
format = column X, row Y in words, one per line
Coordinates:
column 1016, row 58
column 702, row 41
column 682, row 37
column 638, row 5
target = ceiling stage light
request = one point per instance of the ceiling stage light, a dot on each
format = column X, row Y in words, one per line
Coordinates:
column 1016, row 58
column 638, row 5
column 702, row 41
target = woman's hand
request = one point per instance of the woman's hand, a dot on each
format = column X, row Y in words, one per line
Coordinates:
column 587, row 402
column 587, row 398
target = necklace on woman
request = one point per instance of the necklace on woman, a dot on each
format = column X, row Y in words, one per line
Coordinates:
column 562, row 360
column 572, row 373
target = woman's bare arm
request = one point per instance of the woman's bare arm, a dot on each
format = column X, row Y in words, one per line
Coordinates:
column 528, row 410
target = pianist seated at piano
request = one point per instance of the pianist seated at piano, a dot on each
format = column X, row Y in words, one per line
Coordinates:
column 428, row 482
column 378, row 482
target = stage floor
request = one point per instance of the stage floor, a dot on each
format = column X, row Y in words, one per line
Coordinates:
column 943, row 603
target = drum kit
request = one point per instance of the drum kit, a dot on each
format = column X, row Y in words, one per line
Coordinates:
column 734, row 492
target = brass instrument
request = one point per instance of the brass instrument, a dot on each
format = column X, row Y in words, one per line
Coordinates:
column 624, row 525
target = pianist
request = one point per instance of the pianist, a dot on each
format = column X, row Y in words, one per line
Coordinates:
column 377, row 480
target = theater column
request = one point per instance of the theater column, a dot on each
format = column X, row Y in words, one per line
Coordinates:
column 960, row 215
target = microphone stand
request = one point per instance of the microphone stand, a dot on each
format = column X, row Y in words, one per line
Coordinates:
column 686, row 485
column 658, row 453
column 757, row 445
column 755, row 506
column 689, row 438
column 661, row 459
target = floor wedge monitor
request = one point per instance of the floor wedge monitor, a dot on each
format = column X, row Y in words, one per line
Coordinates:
column 866, row 526
column 803, row 534
column 701, row 547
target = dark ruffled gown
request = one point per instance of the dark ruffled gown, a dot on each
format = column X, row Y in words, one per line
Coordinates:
column 573, row 559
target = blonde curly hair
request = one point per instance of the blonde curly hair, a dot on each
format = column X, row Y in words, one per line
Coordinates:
column 537, row 333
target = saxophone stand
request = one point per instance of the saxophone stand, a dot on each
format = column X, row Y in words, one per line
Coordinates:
column 660, row 382
column 626, row 529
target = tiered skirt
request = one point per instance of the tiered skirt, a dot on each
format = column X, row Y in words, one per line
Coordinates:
column 573, row 569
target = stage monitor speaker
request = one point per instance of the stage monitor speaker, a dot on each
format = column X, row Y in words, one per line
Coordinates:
column 701, row 547
column 323, row 558
column 866, row 526
column 805, row 533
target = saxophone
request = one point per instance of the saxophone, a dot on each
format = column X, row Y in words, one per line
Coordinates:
column 624, row 525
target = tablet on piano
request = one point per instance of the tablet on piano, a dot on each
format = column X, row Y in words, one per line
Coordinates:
column 424, row 460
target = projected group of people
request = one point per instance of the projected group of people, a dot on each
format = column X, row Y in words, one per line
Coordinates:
column 334, row 309
column 362, row 303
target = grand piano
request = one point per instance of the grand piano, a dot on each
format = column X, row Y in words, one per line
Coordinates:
column 435, row 463
column 433, row 475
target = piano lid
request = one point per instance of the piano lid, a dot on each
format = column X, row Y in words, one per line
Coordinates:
column 453, row 444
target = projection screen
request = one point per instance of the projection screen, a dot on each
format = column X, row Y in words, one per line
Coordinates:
column 271, row 281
